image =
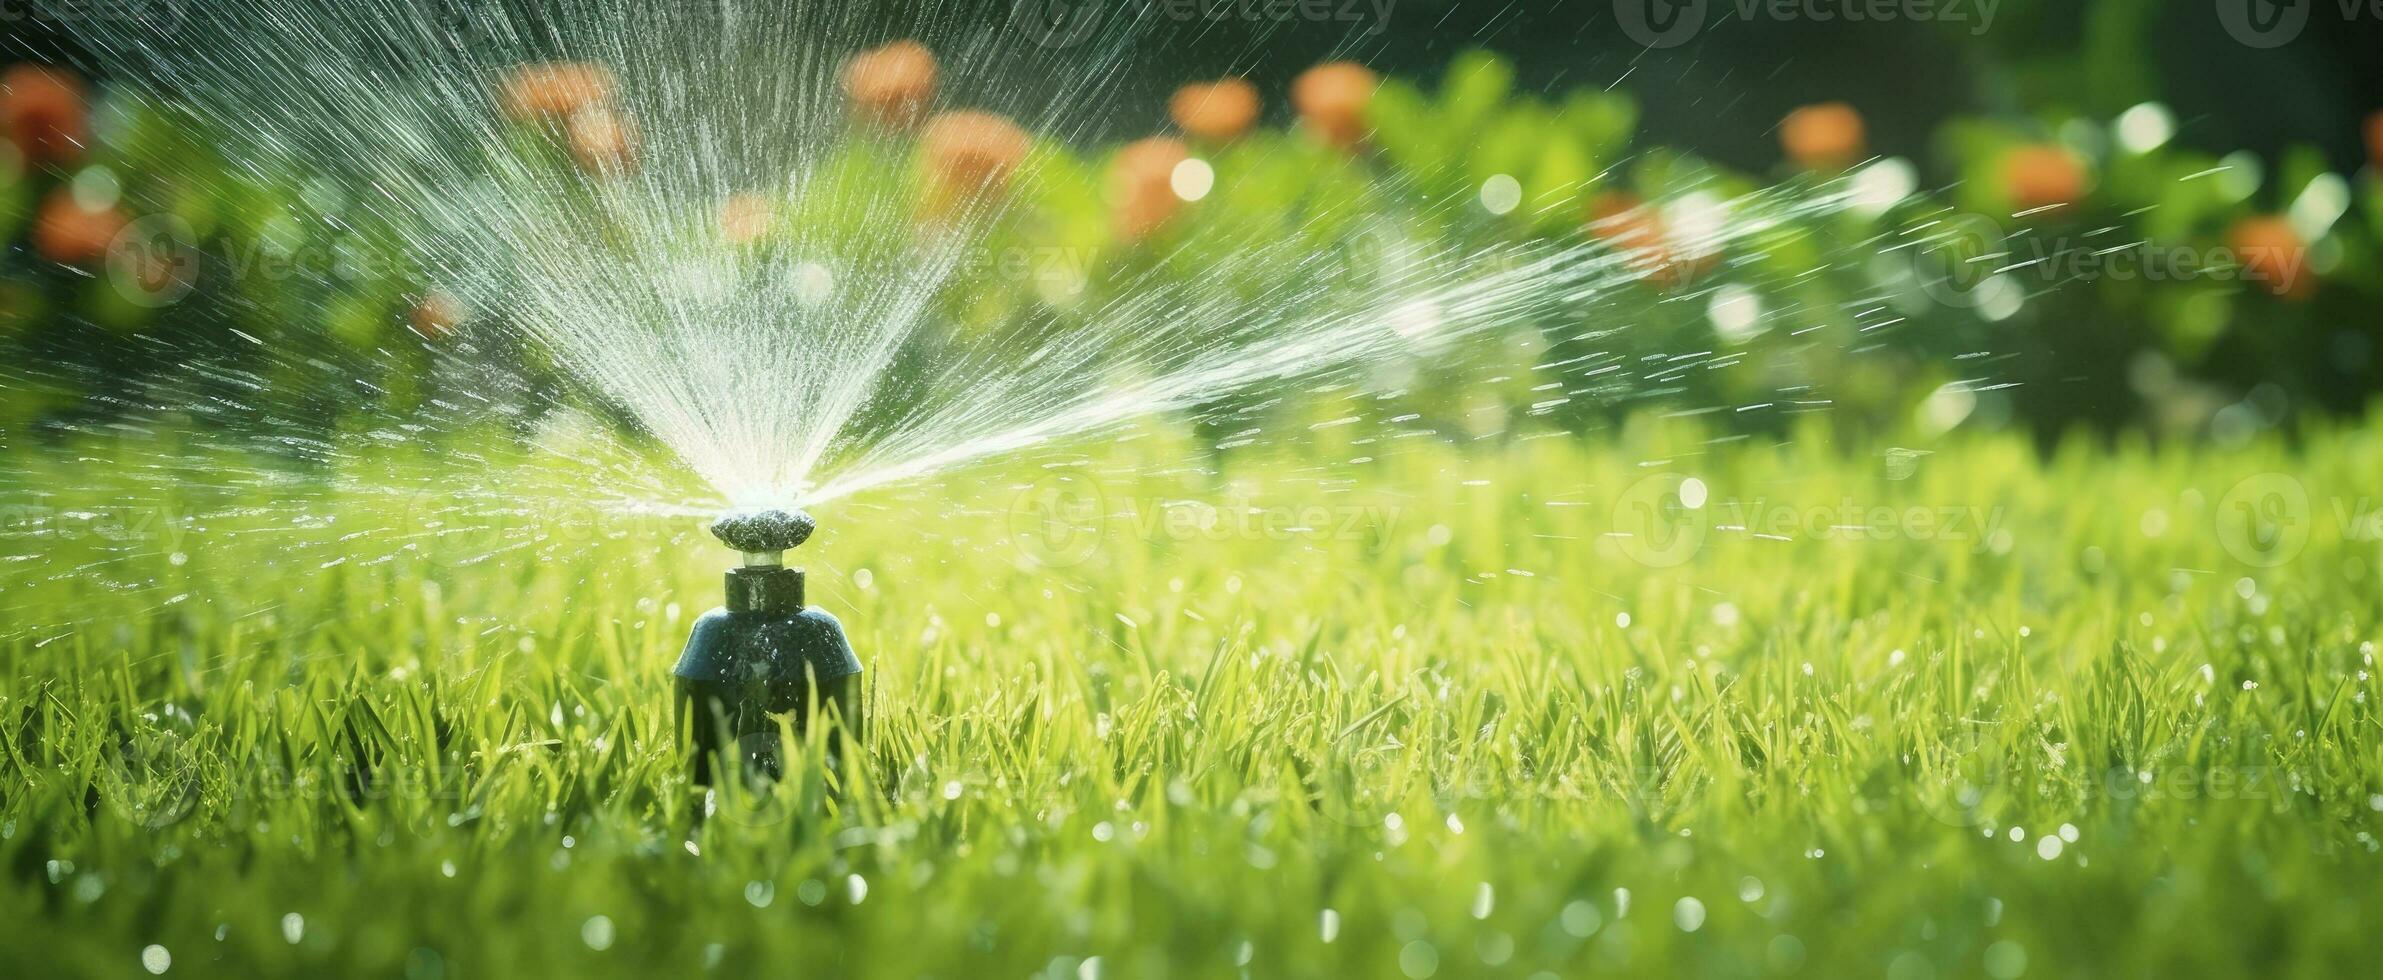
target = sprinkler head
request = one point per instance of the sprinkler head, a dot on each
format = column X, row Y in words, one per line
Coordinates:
column 764, row 536
column 764, row 654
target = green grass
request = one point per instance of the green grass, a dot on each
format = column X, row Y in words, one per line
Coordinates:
column 1421, row 741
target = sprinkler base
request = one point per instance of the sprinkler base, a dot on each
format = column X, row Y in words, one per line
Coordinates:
column 762, row 656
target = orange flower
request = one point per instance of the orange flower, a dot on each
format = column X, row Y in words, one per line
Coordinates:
column 45, row 114
column 1331, row 99
column 1141, row 185
column 1215, row 111
column 1828, row 136
column 2273, row 256
column 604, row 142
column 437, row 315
column 66, row 233
column 555, row 90
column 972, row 153
column 2043, row 176
column 891, row 85
column 2374, row 140
column 746, row 218
column 1636, row 231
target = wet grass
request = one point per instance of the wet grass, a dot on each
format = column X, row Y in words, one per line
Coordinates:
column 1975, row 713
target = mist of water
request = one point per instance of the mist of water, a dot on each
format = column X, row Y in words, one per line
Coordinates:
column 829, row 359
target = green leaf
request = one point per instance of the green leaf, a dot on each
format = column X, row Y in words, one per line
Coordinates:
column 1478, row 82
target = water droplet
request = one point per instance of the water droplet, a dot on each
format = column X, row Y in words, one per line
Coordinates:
column 2006, row 960
column 596, row 932
column 2145, row 128
column 1419, row 960
column 1501, row 194
column 1736, row 312
column 1581, row 919
column 1688, row 914
column 1192, row 179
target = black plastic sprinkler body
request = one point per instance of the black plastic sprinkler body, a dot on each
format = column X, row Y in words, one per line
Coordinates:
column 764, row 654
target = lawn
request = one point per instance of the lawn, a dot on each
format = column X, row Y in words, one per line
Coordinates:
column 1642, row 703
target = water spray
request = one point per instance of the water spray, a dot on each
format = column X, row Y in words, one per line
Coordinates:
column 765, row 654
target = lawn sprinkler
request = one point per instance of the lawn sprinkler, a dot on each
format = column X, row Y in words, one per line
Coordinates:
column 764, row 654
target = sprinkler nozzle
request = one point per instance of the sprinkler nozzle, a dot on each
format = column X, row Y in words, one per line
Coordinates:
column 764, row 536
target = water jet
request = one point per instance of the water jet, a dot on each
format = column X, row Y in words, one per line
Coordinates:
column 763, row 655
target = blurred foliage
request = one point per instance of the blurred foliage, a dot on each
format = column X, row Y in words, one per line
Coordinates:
column 2136, row 296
